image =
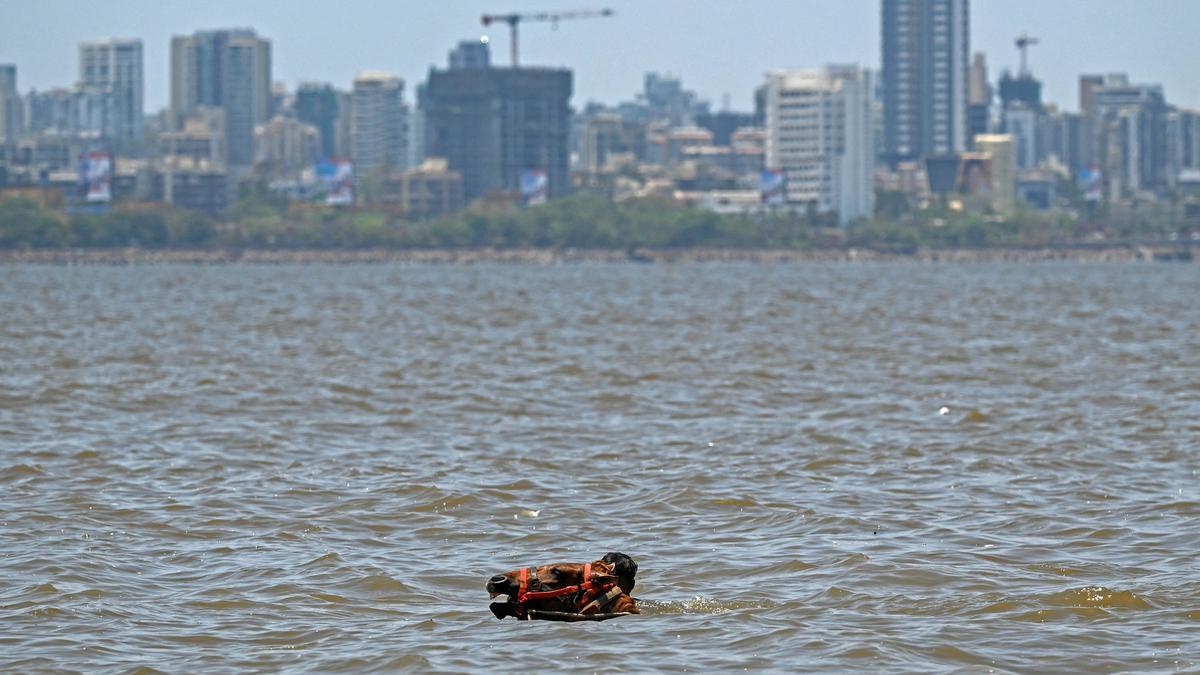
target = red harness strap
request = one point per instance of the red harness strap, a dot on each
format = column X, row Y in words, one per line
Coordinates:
column 588, row 591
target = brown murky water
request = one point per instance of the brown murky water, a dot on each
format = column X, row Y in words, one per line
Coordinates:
column 817, row 467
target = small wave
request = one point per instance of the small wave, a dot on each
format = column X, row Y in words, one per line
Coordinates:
column 233, row 603
column 447, row 503
column 381, row 583
column 350, row 390
column 773, row 570
column 332, row 598
column 1051, row 568
column 321, row 560
column 975, row 417
column 1063, row 613
column 18, row 471
column 742, row 502
column 1097, row 596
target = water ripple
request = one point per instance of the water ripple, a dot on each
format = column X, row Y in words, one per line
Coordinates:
column 817, row 467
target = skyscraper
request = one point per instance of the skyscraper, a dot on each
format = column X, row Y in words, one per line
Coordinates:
column 8, row 78
column 11, row 122
column 494, row 124
column 1130, row 125
column 226, row 69
column 979, row 98
column 926, row 45
column 378, row 122
column 820, row 133
column 115, row 66
column 317, row 104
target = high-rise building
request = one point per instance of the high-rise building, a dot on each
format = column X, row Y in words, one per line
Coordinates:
column 1088, row 84
column 820, row 133
column 1022, row 123
column 979, row 98
column 379, row 122
column 11, row 118
column 116, row 66
column 416, row 130
column 317, row 104
column 1024, row 89
column 1183, row 142
column 1130, row 126
column 495, row 124
column 227, row 69
column 1022, row 114
column 926, row 45
column 1063, row 139
column 8, row 78
column 665, row 98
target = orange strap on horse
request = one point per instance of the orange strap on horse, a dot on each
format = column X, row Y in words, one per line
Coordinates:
column 588, row 590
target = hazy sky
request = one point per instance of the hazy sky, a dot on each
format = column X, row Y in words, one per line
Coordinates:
column 717, row 47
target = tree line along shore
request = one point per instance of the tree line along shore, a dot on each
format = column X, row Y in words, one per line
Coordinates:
column 582, row 226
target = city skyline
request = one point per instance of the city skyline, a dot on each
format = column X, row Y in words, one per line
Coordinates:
column 315, row 42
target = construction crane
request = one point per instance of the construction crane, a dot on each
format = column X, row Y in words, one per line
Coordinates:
column 553, row 17
column 1024, row 42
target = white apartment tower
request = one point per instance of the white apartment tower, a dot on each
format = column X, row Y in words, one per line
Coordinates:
column 820, row 133
column 114, row 66
column 379, row 122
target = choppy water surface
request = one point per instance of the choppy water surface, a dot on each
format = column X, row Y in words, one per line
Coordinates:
column 817, row 467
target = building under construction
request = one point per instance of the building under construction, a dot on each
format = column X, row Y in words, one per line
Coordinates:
column 493, row 124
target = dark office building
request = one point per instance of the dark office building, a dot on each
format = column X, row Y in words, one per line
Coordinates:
column 317, row 104
column 760, row 106
column 1023, row 89
column 723, row 124
column 492, row 124
column 926, row 44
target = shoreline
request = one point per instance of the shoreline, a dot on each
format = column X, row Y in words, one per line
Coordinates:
column 1107, row 252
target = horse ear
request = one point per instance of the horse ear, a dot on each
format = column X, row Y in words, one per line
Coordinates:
column 622, row 564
